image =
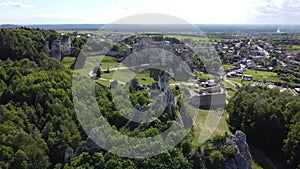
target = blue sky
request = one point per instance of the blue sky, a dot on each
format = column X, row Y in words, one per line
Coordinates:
column 108, row 11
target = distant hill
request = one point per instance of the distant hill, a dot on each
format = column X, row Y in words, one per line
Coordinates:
column 58, row 26
column 9, row 26
column 204, row 27
column 69, row 26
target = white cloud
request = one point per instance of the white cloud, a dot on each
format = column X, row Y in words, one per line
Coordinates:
column 15, row 4
column 193, row 11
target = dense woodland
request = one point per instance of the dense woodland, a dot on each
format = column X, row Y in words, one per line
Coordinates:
column 37, row 117
column 38, row 122
column 270, row 119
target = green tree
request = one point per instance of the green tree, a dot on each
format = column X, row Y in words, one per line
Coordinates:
column 292, row 146
column 98, row 73
column 216, row 159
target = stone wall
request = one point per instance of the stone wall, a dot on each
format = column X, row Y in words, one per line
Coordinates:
column 65, row 45
column 56, row 49
column 61, row 48
column 210, row 101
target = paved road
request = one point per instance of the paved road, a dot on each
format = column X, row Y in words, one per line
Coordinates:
column 266, row 52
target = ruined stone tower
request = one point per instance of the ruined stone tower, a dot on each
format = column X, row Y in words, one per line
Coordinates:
column 61, row 48
column 56, row 49
column 65, row 45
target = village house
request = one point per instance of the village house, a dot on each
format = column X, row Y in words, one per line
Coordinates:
column 247, row 77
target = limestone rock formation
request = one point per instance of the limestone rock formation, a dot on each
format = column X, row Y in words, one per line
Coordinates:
column 114, row 84
column 135, row 83
column 93, row 142
column 153, row 86
column 68, row 155
column 242, row 160
column 163, row 83
column 96, row 135
column 91, row 146
column 170, row 100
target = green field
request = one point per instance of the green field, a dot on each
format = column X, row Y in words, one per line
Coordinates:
column 78, row 32
column 126, row 75
column 104, row 61
column 84, row 71
column 144, row 77
column 181, row 37
column 104, row 82
column 68, row 61
column 201, row 75
column 92, row 62
column 294, row 48
column 230, row 93
column 258, row 75
column 240, row 81
column 122, row 75
column 221, row 128
column 263, row 75
column 194, row 38
column 228, row 85
column 231, row 88
column 225, row 67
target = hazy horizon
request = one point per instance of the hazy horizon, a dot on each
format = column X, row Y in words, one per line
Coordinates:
column 229, row 24
column 253, row 12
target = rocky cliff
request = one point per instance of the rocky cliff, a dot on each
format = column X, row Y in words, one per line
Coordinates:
column 242, row 159
column 224, row 152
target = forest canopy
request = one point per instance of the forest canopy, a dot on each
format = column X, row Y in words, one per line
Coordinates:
column 270, row 119
column 38, row 123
